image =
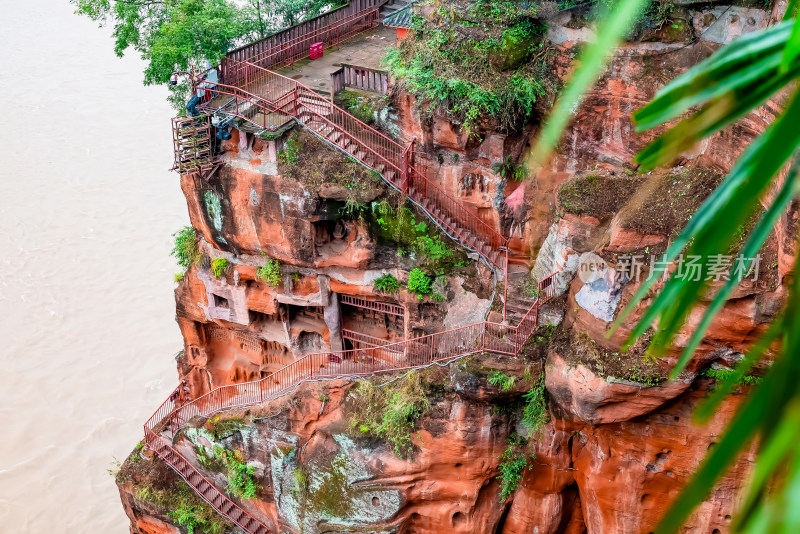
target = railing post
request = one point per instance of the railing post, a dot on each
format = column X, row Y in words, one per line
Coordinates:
column 408, row 159
column 516, row 339
column 505, row 285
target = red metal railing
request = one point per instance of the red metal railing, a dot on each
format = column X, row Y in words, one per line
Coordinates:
column 346, row 20
column 375, row 150
column 245, row 105
column 363, row 339
column 297, row 48
column 204, row 487
column 362, row 78
column 479, row 337
column 257, row 93
column 376, row 356
column 384, row 307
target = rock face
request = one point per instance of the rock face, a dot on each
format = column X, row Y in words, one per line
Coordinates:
column 598, row 401
column 319, row 475
column 618, row 443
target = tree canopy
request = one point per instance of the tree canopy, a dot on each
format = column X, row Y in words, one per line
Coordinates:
column 173, row 34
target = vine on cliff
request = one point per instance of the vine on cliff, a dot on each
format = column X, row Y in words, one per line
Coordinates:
column 534, row 414
column 512, row 465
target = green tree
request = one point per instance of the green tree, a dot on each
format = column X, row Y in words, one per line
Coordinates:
column 170, row 34
column 270, row 16
column 736, row 79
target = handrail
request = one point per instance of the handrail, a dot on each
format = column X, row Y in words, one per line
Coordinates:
column 336, row 14
column 496, row 237
column 318, row 360
column 364, row 78
column 211, row 494
column 279, row 94
column 409, row 354
column 375, row 305
column 283, row 48
column 238, row 93
column 363, row 338
column 257, row 76
column 295, row 85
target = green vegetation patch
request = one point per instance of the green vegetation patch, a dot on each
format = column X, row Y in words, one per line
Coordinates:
column 241, row 477
column 534, row 411
column 597, row 194
column 270, row 273
column 722, row 375
column 512, row 466
column 673, row 201
column 290, row 153
column 185, row 249
column 219, row 266
column 578, row 348
column 432, row 250
column 312, row 162
column 389, row 412
column 419, row 283
column 475, row 60
column 159, row 486
column 502, row 381
column 242, row 482
column 331, row 497
column 363, row 106
column 386, row 284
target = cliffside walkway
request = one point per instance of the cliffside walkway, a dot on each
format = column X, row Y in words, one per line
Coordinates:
column 414, row 353
column 266, row 99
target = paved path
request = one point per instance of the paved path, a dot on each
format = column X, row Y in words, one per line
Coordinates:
column 365, row 50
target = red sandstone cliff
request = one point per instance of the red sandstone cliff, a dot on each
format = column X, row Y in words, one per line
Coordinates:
column 619, row 443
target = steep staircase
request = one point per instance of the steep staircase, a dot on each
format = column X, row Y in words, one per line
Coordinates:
column 267, row 100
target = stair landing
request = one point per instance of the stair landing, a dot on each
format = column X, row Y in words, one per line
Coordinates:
column 365, row 50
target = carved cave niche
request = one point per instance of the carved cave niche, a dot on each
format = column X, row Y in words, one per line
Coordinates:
column 309, row 332
column 232, row 356
column 275, row 356
column 330, row 237
column 375, row 324
column 473, row 185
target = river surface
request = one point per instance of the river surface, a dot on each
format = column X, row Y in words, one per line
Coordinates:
column 87, row 207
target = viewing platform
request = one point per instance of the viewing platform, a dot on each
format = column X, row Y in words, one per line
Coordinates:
column 365, row 50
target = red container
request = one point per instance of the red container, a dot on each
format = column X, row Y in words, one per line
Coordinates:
column 316, row 51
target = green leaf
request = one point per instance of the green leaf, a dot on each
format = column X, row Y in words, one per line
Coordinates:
column 772, row 455
column 792, row 50
column 750, row 250
column 732, row 201
column 714, row 116
column 764, row 411
column 739, row 432
column 707, row 409
column 616, row 22
column 737, row 64
column 791, row 9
